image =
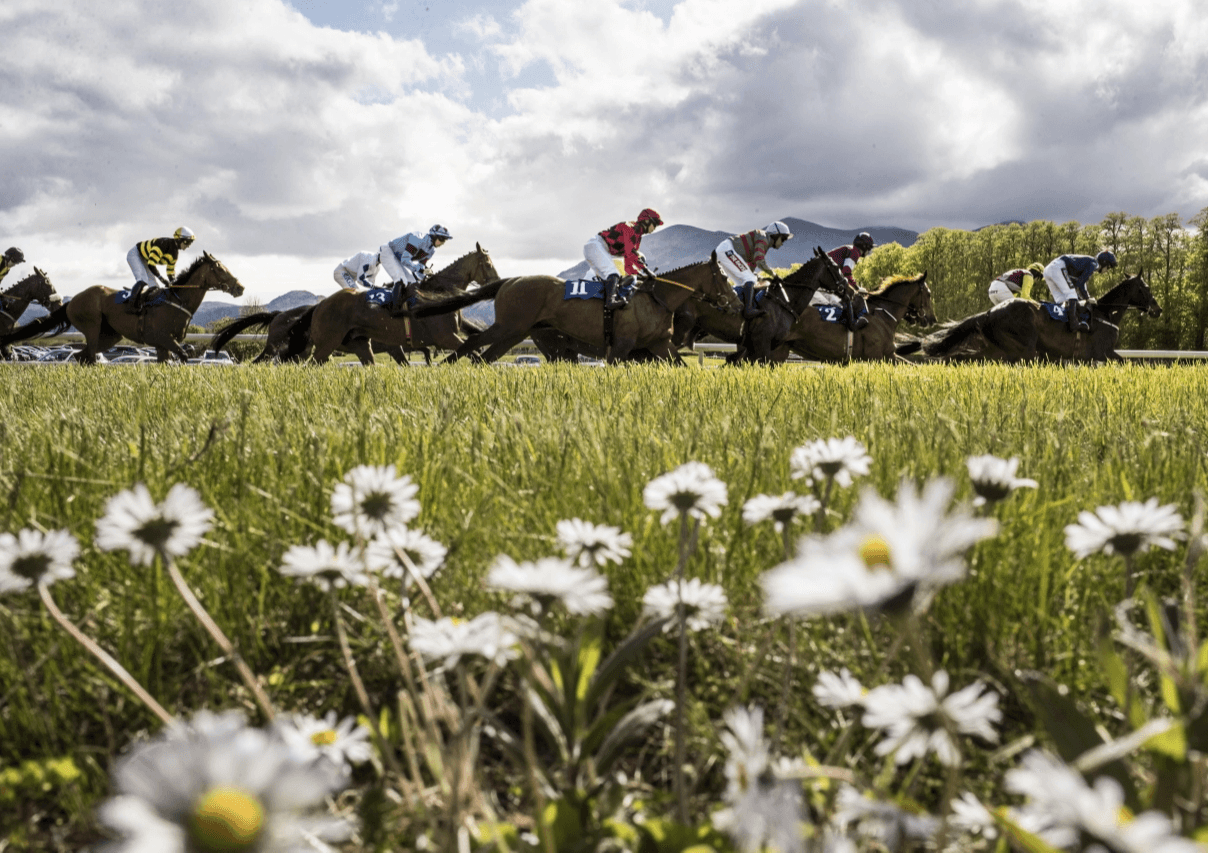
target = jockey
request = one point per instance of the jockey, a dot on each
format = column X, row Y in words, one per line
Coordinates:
column 1017, row 282
column 405, row 260
column 847, row 257
column 10, row 259
column 743, row 254
column 622, row 240
column 147, row 255
column 1067, row 277
column 358, row 271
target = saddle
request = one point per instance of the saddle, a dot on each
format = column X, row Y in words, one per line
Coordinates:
column 587, row 288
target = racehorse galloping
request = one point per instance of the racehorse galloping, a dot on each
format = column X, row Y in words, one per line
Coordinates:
column 14, row 301
column 538, row 301
column 347, row 320
column 96, row 313
column 1022, row 330
column 899, row 298
column 766, row 332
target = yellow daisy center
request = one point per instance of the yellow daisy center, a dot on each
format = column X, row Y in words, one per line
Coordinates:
column 323, row 738
column 226, row 820
column 874, row 551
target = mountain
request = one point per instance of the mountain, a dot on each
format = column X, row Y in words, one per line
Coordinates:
column 293, row 299
column 678, row 245
column 213, row 310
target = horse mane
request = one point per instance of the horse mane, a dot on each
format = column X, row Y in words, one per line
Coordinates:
column 8, row 291
column 685, row 266
column 190, row 269
column 445, row 270
column 889, row 283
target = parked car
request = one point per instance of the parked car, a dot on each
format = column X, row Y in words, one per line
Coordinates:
column 214, row 358
column 134, row 358
column 528, row 360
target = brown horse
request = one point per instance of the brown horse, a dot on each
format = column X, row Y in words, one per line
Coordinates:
column 347, row 320
column 899, row 298
column 1022, row 330
column 96, row 313
column 13, row 302
column 532, row 302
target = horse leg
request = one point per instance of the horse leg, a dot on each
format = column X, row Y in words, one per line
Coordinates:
column 500, row 348
column 427, row 351
column 362, row 350
column 489, row 337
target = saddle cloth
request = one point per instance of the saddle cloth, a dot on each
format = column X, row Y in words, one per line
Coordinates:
column 1056, row 311
column 384, row 296
column 830, row 313
column 158, row 296
column 589, row 288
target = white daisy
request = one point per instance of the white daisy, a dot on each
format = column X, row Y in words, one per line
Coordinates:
column 918, row 719
column 324, row 566
column 340, row 743
column 883, row 822
column 134, row 522
column 373, row 499
column 1125, row 529
column 222, row 789
column 832, row 574
column 767, row 815
column 582, row 591
column 970, row 816
column 749, row 753
column 782, row 510
column 839, row 691
column 994, row 479
column 446, row 641
column 426, row 554
column 704, row 603
column 590, row 544
column 32, row 557
column 840, row 459
column 691, row 489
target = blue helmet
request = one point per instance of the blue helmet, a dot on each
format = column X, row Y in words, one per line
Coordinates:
column 439, row 231
column 1106, row 260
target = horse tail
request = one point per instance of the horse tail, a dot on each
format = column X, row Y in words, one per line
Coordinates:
column 470, row 327
column 224, row 336
column 953, row 335
column 298, row 336
column 454, row 303
column 53, row 323
column 907, row 345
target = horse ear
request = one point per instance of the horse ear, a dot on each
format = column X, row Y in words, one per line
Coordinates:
column 923, row 277
column 818, row 252
column 478, row 246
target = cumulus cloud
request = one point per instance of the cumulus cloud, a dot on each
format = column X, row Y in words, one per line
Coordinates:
column 277, row 139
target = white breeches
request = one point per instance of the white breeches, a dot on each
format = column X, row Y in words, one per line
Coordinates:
column 344, row 278
column 1058, row 279
column 735, row 267
column 999, row 292
column 823, row 297
column 139, row 267
column 394, row 267
column 601, row 261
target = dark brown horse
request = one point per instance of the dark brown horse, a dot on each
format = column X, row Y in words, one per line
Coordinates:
column 782, row 307
column 96, row 313
column 346, row 320
column 1022, row 330
column 530, row 302
column 899, row 298
column 13, row 302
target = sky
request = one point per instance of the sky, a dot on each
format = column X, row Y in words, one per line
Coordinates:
column 291, row 134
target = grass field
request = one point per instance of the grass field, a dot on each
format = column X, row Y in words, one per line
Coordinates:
column 500, row 456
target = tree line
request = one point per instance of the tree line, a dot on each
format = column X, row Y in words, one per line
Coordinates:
column 1172, row 256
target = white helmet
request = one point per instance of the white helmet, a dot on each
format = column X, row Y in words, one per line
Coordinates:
column 439, row 231
column 778, row 232
column 183, row 233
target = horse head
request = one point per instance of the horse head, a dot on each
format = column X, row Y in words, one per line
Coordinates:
column 44, row 292
column 1141, row 297
column 838, row 284
column 221, row 277
column 484, row 270
column 920, row 311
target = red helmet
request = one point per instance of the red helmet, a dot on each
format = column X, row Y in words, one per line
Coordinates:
column 650, row 215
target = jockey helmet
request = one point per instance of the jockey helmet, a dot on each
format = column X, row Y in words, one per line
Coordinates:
column 1037, row 270
column 652, row 216
column 14, row 255
column 1106, row 260
column 778, row 233
column 183, row 233
column 863, row 242
column 439, row 231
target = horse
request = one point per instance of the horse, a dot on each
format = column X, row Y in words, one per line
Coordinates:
column 347, row 320
column 1022, row 330
column 13, row 302
column 97, row 314
column 784, row 305
column 899, row 298
column 524, row 303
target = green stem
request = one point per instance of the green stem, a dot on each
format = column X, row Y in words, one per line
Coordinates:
column 104, row 657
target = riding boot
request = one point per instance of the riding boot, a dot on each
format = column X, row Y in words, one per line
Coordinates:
column 857, row 312
column 399, row 298
column 749, row 309
column 612, row 301
column 134, row 303
column 1076, row 323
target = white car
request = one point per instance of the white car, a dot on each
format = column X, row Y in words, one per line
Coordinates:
column 215, row 358
column 134, row 359
column 528, row 360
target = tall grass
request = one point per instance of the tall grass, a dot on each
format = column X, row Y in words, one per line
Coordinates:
column 500, row 456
